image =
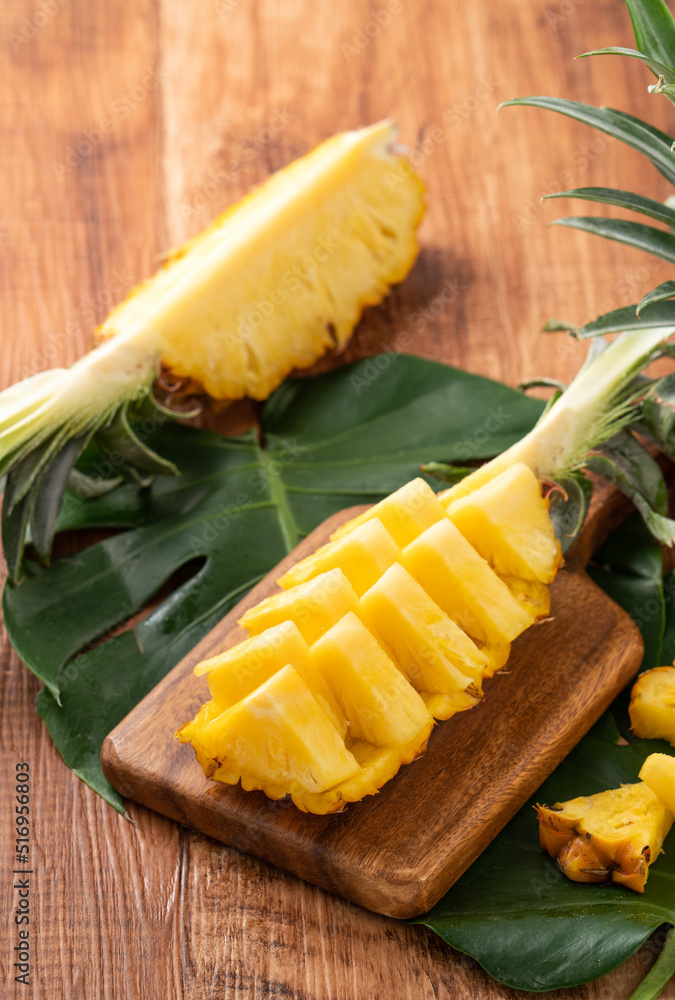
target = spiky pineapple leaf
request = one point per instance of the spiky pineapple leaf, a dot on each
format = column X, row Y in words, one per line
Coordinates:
column 662, row 292
column 622, row 320
column 654, row 29
column 621, row 199
column 657, row 68
column 658, row 413
column 346, row 437
column 650, row 141
column 646, row 238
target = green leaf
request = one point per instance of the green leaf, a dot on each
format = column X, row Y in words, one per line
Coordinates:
column 568, row 509
column 654, row 29
column 657, row 68
column 661, row 527
column 646, row 238
column 528, row 925
column 660, row 973
column 346, row 437
column 626, row 318
column 649, row 141
column 662, row 292
column 658, row 413
column 622, row 199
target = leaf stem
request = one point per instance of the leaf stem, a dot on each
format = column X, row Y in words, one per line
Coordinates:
column 660, row 973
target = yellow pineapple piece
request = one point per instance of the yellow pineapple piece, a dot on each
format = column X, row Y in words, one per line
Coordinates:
column 535, row 597
column 611, row 836
column 466, row 588
column 363, row 555
column 314, row 606
column 282, row 276
column 277, row 739
column 652, row 705
column 234, row 674
column 376, row 699
column 378, row 766
column 658, row 771
column 508, row 523
column 427, row 646
column 405, row 513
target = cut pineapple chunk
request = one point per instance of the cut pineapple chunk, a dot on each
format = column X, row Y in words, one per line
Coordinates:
column 464, row 586
column 380, row 705
column 658, row 771
column 507, row 522
column 277, row 739
column 652, row 705
column 363, row 555
column 236, row 673
column 534, row 596
column 431, row 650
column 405, row 513
column 614, row 835
column 314, row 606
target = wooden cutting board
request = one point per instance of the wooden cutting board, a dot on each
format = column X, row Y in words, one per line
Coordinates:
column 398, row 852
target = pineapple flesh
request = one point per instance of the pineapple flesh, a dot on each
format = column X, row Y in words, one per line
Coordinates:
column 283, row 275
column 652, row 705
column 612, row 836
column 393, row 624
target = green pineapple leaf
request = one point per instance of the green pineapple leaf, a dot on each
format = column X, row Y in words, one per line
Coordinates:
column 650, row 141
column 633, row 234
column 621, row 320
column 622, row 199
column 662, row 292
column 654, row 29
column 657, row 68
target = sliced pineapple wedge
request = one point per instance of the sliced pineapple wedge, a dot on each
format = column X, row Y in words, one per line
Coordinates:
column 277, row 739
column 314, row 606
column 507, row 523
column 283, row 275
column 426, row 645
column 405, row 513
column 363, row 555
column 233, row 675
column 611, row 836
column 652, row 705
column 380, row 705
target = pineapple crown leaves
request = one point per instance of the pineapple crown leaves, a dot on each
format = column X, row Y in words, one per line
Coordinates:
column 611, row 449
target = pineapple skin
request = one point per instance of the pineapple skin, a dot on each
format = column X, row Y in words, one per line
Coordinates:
column 612, row 836
column 652, row 705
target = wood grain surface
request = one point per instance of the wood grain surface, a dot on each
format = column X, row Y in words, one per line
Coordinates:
column 125, row 127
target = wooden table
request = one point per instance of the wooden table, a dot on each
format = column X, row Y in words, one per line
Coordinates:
column 125, row 128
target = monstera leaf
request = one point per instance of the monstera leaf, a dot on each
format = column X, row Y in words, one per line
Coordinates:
column 240, row 504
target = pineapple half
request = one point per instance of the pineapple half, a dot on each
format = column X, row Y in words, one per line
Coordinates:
column 652, row 705
column 613, row 836
column 392, row 624
column 276, row 281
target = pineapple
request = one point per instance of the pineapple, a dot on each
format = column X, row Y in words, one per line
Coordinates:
column 611, row 836
column 658, row 772
column 652, row 705
column 275, row 282
column 392, row 624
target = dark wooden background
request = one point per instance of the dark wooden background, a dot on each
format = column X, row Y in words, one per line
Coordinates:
column 125, row 127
